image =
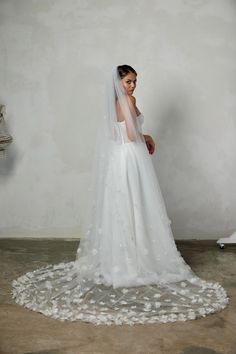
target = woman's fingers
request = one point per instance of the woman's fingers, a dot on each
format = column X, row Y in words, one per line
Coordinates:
column 150, row 147
column 150, row 144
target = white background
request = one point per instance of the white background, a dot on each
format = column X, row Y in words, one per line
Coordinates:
column 54, row 56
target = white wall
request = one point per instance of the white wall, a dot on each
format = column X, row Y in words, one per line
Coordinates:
column 53, row 60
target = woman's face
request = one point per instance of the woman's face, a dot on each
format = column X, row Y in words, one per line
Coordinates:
column 129, row 83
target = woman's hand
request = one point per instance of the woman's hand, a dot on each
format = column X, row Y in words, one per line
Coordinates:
column 150, row 143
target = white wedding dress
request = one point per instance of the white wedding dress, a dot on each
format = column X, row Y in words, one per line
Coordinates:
column 128, row 269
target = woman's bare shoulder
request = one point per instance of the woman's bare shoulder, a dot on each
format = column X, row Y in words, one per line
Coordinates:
column 132, row 99
column 133, row 102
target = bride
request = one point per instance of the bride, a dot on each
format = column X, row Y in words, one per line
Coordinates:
column 127, row 267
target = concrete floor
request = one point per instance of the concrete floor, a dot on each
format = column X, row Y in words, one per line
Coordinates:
column 29, row 332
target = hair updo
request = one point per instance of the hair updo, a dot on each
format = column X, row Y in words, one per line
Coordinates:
column 123, row 70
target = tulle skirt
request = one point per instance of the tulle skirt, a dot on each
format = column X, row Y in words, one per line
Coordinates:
column 128, row 269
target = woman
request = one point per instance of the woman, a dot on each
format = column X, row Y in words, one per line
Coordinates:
column 128, row 81
column 127, row 268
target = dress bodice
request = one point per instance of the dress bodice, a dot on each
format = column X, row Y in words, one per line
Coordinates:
column 123, row 131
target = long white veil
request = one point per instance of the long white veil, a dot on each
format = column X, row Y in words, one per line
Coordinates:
column 109, row 140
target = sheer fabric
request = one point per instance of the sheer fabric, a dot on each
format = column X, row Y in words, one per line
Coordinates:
column 127, row 267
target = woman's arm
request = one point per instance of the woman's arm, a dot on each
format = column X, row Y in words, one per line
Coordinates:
column 132, row 105
column 148, row 139
column 150, row 143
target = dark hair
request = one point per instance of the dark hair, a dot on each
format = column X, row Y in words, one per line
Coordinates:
column 123, row 70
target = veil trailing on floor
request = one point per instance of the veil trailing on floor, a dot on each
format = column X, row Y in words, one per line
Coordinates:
column 127, row 267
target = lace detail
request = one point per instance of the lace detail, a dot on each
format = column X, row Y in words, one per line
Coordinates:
column 57, row 291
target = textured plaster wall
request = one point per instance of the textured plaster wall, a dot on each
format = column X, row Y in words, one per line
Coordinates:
column 53, row 59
